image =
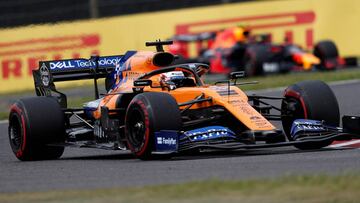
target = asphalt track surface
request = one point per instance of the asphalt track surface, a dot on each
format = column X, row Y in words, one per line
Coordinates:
column 94, row 168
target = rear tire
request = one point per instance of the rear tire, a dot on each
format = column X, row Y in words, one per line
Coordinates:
column 309, row 100
column 33, row 124
column 146, row 114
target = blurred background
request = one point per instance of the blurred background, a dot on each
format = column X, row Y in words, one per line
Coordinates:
column 35, row 30
column 20, row 13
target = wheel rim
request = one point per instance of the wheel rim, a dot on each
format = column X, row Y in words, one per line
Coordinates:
column 15, row 132
column 136, row 129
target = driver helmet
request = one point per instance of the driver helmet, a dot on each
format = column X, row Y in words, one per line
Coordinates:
column 174, row 79
column 241, row 33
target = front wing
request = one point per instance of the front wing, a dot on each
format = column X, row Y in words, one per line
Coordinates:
column 221, row 138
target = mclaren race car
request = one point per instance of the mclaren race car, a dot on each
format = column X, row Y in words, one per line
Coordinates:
column 235, row 49
column 154, row 108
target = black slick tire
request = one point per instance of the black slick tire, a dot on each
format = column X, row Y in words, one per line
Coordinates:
column 146, row 114
column 309, row 100
column 33, row 124
column 326, row 50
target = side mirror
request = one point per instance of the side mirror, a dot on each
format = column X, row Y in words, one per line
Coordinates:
column 237, row 74
column 142, row 82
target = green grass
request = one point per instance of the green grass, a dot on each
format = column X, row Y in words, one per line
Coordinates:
column 284, row 80
column 294, row 189
column 4, row 115
column 78, row 101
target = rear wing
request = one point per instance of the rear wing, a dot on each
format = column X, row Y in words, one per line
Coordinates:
column 72, row 69
column 194, row 37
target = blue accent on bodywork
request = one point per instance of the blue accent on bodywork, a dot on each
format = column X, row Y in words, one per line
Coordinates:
column 90, row 107
column 120, row 67
column 303, row 126
column 122, row 63
column 208, row 133
column 127, row 55
column 128, row 66
column 166, row 141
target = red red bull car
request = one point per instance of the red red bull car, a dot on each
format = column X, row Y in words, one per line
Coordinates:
column 154, row 108
column 234, row 49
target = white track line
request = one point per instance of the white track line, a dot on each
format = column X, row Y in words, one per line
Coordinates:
column 344, row 82
column 344, row 144
column 4, row 121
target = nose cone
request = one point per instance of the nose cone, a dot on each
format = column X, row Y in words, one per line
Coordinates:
column 306, row 59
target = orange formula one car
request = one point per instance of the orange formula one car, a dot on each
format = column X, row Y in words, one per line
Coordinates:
column 154, row 109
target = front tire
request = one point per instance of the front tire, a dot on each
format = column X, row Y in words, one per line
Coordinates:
column 33, row 124
column 309, row 100
column 328, row 54
column 146, row 114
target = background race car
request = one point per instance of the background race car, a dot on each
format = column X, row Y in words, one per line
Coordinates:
column 235, row 49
